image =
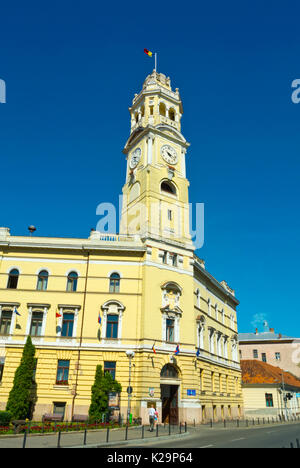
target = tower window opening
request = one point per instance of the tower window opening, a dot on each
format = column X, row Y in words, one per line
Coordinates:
column 172, row 114
column 162, row 109
column 151, row 110
column 168, row 187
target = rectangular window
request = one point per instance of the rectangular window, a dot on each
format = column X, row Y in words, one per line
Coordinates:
column 212, row 381
column 67, row 325
column 36, row 324
column 2, row 360
column 269, row 400
column 62, row 376
column 170, row 330
column 277, row 356
column 255, row 353
column 5, row 322
column 264, row 357
column 112, row 326
column 165, row 257
column 170, row 215
column 174, row 260
column 110, row 366
column 34, row 370
column 59, row 409
column 201, row 379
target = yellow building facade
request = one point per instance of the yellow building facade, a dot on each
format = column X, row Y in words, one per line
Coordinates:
column 146, row 286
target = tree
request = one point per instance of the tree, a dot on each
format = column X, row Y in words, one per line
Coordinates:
column 104, row 385
column 20, row 397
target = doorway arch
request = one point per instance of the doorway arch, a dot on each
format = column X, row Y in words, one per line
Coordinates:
column 169, row 386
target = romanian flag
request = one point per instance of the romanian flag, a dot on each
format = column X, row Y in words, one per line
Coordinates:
column 58, row 315
column 198, row 352
column 153, row 349
column 147, row 52
column 99, row 319
column 177, row 351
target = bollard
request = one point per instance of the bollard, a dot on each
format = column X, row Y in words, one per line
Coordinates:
column 156, row 430
column 185, row 427
column 58, row 439
column 107, row 435
column 169, row 428
column 143, row 432
column 211, row 423
column 224, row 422
column 84, row 437
column 24, row 439
column 126, row 432
column 180, row 428
column 263, row 420
column 297, row 443
column 292, row 446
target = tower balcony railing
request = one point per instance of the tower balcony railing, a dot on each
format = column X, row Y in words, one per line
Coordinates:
column 106, row 237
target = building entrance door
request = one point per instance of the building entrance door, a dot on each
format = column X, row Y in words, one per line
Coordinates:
column 169, row 398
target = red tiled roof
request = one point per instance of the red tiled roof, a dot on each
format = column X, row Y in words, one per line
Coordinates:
column 258, row 372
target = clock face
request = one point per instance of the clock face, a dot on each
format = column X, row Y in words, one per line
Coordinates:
column 169, row 154
column 135, row 158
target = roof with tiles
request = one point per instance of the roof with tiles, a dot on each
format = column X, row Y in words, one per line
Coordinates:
column 258, row 372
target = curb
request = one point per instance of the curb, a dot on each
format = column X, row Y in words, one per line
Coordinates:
column 127, row 442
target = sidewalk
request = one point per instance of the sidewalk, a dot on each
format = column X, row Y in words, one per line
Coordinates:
column 93, row 438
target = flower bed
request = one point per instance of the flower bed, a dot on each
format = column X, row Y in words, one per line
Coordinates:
column 46, row 428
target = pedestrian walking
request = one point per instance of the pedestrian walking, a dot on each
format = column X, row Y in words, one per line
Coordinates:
column 151, row 417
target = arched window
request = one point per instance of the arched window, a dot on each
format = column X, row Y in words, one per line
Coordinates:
column 162, row 109
column 42, row 283
column 168, row 187
column 13, row 279
column 72, row 282
column 172, row 114
column 114, row 283
column 169, row 371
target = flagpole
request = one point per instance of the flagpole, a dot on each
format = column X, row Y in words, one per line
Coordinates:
column 155, row 57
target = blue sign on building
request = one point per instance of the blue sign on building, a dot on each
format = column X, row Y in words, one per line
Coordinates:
column 191, row 392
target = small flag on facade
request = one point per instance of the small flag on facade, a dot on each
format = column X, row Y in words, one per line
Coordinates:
column 99, row 319
column 177, row 351
column 198, row 352
column 147, row 52
column 16, row 311
column 58, row 315
column 153, row 348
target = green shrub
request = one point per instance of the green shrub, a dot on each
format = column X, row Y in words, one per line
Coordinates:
column 5, row 418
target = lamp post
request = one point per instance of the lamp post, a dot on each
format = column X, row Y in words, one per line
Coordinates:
column 130, row 355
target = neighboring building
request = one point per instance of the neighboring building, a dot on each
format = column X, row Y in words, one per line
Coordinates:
column 273, row 348
column 268, row 390
column 146, row 287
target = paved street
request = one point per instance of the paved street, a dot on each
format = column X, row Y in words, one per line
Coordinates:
column 267, row 436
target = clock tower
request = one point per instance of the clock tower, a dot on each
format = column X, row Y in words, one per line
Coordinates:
column 155, row 194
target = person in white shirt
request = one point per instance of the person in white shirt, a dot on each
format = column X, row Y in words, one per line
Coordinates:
column 151, row 417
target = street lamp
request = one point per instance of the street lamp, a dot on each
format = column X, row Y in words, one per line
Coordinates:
column 130, row 355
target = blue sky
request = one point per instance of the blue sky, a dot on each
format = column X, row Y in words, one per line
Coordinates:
column 71, row 70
